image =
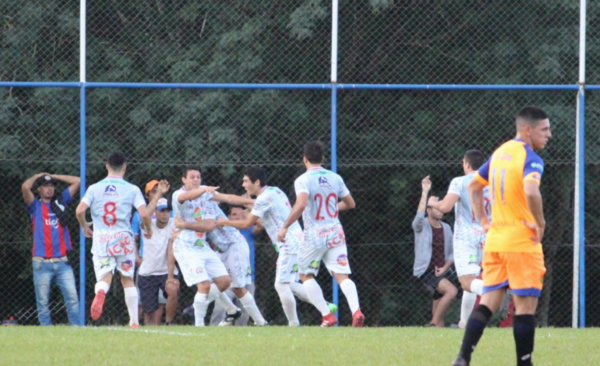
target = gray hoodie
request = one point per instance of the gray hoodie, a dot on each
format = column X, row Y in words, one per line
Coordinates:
column 423, row 243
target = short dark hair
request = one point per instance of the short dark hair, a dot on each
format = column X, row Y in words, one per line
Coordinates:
column 187, row 168
column 116, row 160
column 475, row 158
column 531, row 115
column 253, row 173
column 313, row 151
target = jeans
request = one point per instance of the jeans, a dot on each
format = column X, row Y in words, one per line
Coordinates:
column 62, row 272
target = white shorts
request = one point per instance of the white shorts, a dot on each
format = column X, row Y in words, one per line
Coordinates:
column 199, row 265
column 335, row 259
column 467, row 260
column 237, row 263
column 287, row 268
column 105, row 265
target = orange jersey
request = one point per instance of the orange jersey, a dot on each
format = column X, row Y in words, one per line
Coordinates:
column 508, row 168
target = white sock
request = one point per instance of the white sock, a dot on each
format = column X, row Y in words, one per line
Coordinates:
column 315, row 294
column 349, row 289
column 101, row 285
column 131, row 300
column 477, row 287
column 466, row 306
column 226, row 303
column 250, row 307
column 288, row 302
column 299, row 290
column 200, row 306
column 213, row 294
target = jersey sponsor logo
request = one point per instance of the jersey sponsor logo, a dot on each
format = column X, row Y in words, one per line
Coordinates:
column 110, row 190
column 338, row 239
column 104, row 263
column 249, row 271
column 473, row 259
column 199, row 243
column 323, row 183
column 537, row 166
column 127, row 265
column 121, row 246
column 295, row 268
column 52, row 221
column 199, row 270
column 536, row 176
column 342, row 260
column 314, row 264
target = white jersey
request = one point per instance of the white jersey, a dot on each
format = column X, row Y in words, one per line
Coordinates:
column 221, row 238
column 192, row 211
column 324, row 188
column 155, row 250
column 111, row 201
column 273, row 206
column 468, row 233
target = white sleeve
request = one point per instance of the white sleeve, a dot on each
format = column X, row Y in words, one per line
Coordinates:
column 261, row 205
column 343, row 191
column 138, row 198
column 301, row 185
column 88, row 198
column 455, row 186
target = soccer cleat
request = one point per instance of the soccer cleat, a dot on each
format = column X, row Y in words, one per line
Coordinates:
column 189, row 311
column 230, row 318
column 134, row 326
column 97, row 305
column 332, row 307
column 459, row 361
column 328, row 321
column 358, row 319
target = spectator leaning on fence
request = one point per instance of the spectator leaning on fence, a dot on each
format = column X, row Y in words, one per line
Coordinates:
column 51, row 242
column 434, row 254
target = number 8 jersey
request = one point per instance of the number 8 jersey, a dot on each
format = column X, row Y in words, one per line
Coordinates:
column 320, row 217
column 110, row 202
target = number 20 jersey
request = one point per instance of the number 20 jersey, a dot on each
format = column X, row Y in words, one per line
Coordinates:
column 111, row 201
column 320, row 216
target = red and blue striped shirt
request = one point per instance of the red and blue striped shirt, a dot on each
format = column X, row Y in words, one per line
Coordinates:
column 50, row 238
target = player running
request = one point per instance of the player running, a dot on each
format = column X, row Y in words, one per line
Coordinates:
column 317, row 194
column 513, row 254
column 198, row 262
column 469, row 236
column 273, row 207
column 111, row 201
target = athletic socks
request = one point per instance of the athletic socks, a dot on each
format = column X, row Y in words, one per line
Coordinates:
column 475, row 327
column 131, row 300
column 466, row 308
column 101, row 285
column 349, row 289
column 200, row 306
column 288, row 302
column 477, row 287
column 299, row 290
column 213, row 293
column 315, row 295
column 250, row 306
column 524, row 333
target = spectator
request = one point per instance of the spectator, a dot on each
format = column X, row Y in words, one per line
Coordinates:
column 434, row 255
column 239, row 213
column 51, row 242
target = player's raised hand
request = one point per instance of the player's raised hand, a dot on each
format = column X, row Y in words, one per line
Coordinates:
column 538, row 230
column 163, row 186
column 281, row 235
column 211, row 190
column 87, row 230
column 426, row 184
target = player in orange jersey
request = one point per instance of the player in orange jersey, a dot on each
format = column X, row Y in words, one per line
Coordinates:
column 513, row 254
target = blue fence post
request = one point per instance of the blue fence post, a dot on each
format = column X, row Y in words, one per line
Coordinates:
column 82, row 170
column 581, row 213
column 335, row 287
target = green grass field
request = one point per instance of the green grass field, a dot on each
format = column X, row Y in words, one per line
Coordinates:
column 186, row 345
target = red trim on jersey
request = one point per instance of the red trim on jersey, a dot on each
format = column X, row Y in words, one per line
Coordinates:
column 315, row 168
column 33, row 248
column 62, row 245
column 47, row 232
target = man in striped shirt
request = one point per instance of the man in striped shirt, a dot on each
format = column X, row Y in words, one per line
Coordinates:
column 51, row 242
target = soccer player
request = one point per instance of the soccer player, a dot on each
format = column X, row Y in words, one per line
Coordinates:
column 317, row 194
column 468, row 233
column 198, row 262
column 273, row 207
column 111, row 201
column 513, row 254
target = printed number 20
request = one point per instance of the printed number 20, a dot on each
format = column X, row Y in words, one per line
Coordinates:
column 319, row 198
column 494, row 184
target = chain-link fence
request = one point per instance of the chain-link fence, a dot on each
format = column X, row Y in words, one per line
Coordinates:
column 387, row 141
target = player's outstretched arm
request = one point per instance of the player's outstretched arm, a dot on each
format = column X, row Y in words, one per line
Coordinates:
column 447, row 203
column 347, row 203
column 232, row 199
column 202, row 226
column 195, row 193
column 476, row 196
column 299, row 206
column 239, row 224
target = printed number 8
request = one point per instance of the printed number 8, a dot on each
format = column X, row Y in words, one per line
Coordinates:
column 109, row 211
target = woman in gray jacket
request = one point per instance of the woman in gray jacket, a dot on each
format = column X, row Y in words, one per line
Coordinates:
column 433, row 254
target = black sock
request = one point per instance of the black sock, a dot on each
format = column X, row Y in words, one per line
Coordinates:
column 475, row 326
column 524, row 332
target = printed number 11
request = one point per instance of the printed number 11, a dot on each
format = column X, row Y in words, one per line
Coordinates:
column 502, row 178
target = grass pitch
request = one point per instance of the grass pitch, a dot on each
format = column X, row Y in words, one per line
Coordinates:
column 187, row 345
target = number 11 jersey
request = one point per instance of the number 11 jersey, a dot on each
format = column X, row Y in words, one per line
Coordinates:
column 111, row 201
